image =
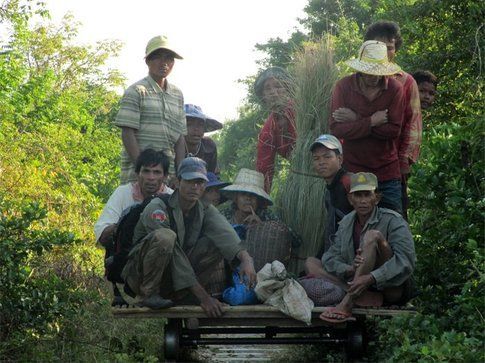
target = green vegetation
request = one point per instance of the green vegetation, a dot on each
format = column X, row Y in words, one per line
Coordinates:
column 59, row 163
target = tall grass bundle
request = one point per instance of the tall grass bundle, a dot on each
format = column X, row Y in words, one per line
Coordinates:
column 301, row 199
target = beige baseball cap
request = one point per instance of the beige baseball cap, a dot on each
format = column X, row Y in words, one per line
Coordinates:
column 160, row 42
column 362, row 181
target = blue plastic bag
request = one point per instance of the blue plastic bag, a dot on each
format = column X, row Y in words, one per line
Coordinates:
column 239, row 294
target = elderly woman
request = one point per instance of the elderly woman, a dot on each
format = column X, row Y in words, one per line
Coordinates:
column 249, row 200
column 264, row 234
column 278, row 134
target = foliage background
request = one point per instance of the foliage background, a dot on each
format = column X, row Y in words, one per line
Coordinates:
column 59, row 158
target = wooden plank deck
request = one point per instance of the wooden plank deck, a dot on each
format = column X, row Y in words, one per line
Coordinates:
column 241, row 312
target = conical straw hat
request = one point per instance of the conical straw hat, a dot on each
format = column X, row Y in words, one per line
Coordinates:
column 248, row 181
column 373, row 60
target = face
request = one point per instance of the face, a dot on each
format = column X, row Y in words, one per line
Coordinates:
column 195, row 130
column 213, row 196
column 150, row 179
column 370, row 81
column 160, row 64
column 391, row 47
column 427, row 94
column 274, row 93
column 246, row 201
column 191, row 190
column 326, row 162
column 363, row 202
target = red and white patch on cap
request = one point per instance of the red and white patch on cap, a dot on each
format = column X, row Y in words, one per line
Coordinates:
column 159, row 215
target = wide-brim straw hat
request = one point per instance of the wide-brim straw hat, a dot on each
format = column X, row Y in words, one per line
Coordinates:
column 248, row 181
column 373, row 60
column 160, row 42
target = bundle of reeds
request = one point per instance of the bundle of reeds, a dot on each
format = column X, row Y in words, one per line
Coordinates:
column 301, row 198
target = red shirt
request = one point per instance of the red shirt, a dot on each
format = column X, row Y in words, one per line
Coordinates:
column 271, row 141
column 412, row 125
column 366, row 148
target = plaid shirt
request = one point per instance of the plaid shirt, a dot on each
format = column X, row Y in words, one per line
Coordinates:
column 412, row 126
column 158, row 117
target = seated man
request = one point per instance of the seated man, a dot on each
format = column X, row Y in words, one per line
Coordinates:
column 177, row 244
column 151, row 169
column 327, row 161
column 373, row 248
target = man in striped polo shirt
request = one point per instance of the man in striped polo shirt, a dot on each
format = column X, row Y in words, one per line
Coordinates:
column 151, row 112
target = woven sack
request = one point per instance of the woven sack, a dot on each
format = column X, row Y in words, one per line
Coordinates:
column 268, row 241
column 218, row 280
column 322, row 292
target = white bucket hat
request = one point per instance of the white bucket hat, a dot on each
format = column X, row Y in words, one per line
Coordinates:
column 248, row 181
column 373, row 60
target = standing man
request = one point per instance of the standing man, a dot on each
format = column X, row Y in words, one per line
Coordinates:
column 327, row 156
column 373, row 248
column 367, row 112
column 152, row 111
column 412, row 127
column 178, row 243
column 197, row 144
column 427, row 84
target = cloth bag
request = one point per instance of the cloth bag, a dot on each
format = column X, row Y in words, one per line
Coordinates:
column 321, row 291
column 239, row 293
column 275, row 288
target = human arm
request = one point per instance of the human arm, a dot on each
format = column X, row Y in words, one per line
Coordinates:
column 130, row 143
column 334, row 260
column 266, row 153
column 213, row 308
column 105, row 226
column 412, row 127
column 180, row 148
column 247, row 267
column 395, row 113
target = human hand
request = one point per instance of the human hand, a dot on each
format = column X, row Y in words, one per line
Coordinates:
column 359, row 284
column 213, row 308
column 378, row 118
column 247, row 270
column 252, row 218
column 358, row 260
column 344, row 114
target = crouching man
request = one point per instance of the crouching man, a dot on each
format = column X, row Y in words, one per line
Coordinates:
column 178, row 243
column 373, row 249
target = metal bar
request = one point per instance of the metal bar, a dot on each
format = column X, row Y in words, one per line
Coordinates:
column 228, row 341
column 256, row 330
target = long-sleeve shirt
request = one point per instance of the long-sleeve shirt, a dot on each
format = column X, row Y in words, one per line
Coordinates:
column 412, row 126
column 367, row 148
column 203, row 232
column 395, row 271
column 272, row 141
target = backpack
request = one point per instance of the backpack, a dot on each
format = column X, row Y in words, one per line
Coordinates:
column 117, row 254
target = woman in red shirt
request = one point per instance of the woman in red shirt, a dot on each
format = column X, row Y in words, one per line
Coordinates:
column 278, row 134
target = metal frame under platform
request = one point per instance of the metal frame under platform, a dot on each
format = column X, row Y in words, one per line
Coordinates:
column 188, row 326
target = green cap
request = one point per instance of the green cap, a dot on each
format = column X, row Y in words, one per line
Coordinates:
column 362, row 181
column 160, row 42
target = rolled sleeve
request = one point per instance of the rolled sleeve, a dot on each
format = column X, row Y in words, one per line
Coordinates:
column 220, row 232
column 129, row 112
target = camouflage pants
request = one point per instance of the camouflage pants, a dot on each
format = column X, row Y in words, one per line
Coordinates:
column 158, row 265
column 148, row 261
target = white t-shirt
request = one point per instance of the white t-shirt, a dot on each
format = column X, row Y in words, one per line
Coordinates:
column 121, row 199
